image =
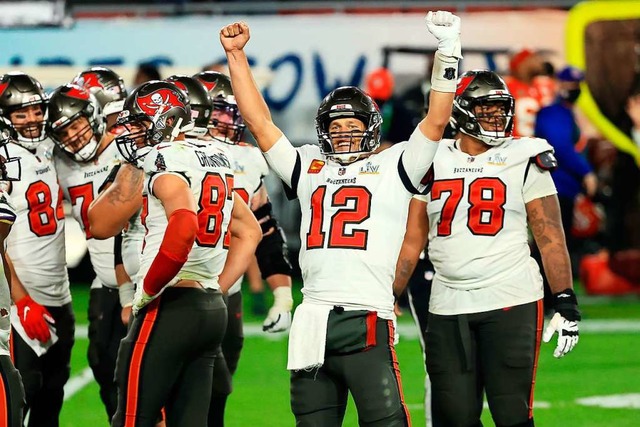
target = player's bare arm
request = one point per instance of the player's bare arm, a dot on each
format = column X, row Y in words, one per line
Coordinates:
column 110, row 211
column 415, row 239
column 245, row 236
column 546, row 226
column 18, row 290
column 252, row 105
column 124, row 286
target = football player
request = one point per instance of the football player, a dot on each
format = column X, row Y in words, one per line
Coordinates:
column 40, row 290
column 188, row 204
column 225, row 128
column 485, row 312
column 83, row 161
column 354, row 208
column 11, row 390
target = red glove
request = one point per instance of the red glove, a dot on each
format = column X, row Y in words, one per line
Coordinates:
column 34, row 318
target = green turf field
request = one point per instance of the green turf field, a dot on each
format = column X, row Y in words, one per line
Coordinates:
column 606, row 363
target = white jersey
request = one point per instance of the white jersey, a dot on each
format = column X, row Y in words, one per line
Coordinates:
column 81, row 183
column 353, row 220
column 36, row 244
column 207, row 170
column 249, row 167
column 7, row 216
column 478, row 239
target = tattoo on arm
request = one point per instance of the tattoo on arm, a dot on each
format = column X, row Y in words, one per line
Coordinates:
column 128, row 186
column 545, row 222
column 404, row 270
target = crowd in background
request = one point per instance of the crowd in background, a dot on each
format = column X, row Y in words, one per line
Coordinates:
column 598, row 185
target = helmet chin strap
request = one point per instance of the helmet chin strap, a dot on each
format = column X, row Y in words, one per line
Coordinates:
column 176, row 129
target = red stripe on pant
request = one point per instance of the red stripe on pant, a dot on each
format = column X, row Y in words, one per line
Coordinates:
column 396, row 370
column 371, row 320
column 135, row 365
column 539, row 324
column 4, row 402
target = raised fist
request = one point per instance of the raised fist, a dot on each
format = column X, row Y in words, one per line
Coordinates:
column 234, row 36
column 445, row 26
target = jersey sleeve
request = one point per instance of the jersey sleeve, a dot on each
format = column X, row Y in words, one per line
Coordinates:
column 167, row 158
column 261, row 163
column 421, row 197
column 416, row 161
column 537, row 183
column 285, row 161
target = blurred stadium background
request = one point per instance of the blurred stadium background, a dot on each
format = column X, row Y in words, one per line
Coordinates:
column 300, row 51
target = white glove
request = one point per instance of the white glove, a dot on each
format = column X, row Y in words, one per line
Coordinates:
column 279, row 316
column 568, row 334
column 445, row 26
column 140, row 300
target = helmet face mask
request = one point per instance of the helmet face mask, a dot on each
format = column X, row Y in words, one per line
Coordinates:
column 226, row 124
column 349, row 141
column 77, row 139
column 483, row 108
column 132, row 140
column 30, row 123
column 10, row 167
column 154, row 112
column 75, row 122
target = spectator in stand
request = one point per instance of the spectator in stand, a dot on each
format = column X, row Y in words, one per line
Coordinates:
column 557, row 124
column 524, row 67
column 147, row 71
column 397, row 122
column 624, row 210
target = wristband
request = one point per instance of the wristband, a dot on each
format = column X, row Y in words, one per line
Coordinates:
column 126, row 292
column 566, row 304
column 444, row 75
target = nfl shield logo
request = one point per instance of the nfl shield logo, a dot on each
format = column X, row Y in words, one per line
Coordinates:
column 449, row 73
column 342, row 171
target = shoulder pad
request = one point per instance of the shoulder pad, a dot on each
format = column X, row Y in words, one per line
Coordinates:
column 546, row 161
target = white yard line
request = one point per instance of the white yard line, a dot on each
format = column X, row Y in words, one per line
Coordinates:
column 407, row 332
column 77, row 383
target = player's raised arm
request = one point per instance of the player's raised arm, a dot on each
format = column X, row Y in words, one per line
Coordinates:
column 253, row 107
column 422, row 146
column 446, row 28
